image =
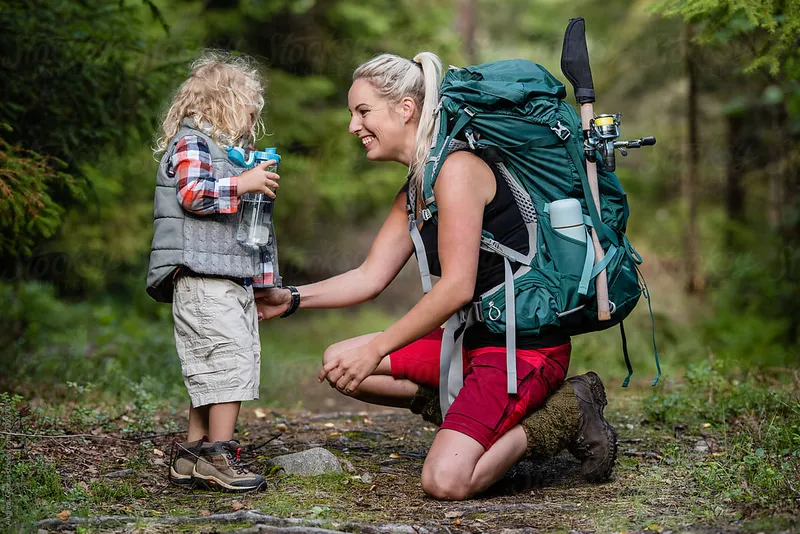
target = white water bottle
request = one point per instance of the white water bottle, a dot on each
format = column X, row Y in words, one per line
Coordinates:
column 566, row 217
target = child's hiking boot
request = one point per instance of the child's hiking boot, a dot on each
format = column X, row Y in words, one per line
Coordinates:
column 182, row 460
column 595, row 442
column 220, row 466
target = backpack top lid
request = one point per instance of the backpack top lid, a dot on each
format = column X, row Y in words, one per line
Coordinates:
column 502, row 83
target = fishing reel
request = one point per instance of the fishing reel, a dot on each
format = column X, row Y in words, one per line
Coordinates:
column 602, row 137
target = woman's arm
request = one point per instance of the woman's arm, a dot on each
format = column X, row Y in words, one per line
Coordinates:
column 387, row 256
column 464, row 186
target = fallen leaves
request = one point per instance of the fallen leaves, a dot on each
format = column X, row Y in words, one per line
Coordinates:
column 64, row 515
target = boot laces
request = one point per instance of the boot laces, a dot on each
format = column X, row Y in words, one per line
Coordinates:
column 235, row 460
column 581, row 447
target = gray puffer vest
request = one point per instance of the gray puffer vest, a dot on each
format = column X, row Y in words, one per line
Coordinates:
column 206, row 244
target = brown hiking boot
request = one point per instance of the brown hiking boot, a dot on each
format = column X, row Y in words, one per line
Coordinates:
column 220, row 466
column 595, row 442
column 521, row 477
column 183, row 458
column 426, row 403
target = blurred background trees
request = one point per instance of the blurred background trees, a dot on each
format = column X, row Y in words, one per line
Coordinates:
column 714, row 204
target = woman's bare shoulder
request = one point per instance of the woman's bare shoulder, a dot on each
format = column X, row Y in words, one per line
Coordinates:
column 466, row 169
column 464, row 162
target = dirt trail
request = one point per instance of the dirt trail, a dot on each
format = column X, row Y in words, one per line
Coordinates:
column 383, row 453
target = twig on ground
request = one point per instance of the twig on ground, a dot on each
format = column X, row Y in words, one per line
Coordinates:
column 643, row 454
column 515, row 506
column 278, row 524
column 65, row 436
column 120, row 474
column 151, row 436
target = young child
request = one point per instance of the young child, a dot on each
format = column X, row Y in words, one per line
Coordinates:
column 197, row 264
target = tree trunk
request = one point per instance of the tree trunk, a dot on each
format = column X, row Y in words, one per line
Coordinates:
column 467, row 24
column 775, row 167
column 736, row 167
column 694, row 279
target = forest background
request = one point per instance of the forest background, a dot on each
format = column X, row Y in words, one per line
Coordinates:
column 715, row 205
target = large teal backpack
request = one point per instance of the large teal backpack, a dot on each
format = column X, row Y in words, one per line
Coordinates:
column 512, row 114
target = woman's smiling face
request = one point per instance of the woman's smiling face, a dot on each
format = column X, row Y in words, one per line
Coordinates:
column 379, row 124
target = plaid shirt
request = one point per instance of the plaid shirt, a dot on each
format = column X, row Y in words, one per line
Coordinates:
column 202, row 194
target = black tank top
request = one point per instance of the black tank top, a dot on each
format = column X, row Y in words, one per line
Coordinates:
column 502, row 219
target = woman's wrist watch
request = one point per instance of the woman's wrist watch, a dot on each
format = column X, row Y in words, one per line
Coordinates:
column 295, row 301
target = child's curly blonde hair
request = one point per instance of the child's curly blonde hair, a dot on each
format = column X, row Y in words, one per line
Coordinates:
column 224, row 96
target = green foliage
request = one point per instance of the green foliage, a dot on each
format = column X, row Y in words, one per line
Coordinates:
column 28, row 212
column 57, row 342
column 711, row 396
column 78, row 76
column 771, row 26
column 759, row 458
column 751, row 474
column 29, row 486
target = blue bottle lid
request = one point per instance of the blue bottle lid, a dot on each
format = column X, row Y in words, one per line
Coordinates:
column 267, row 154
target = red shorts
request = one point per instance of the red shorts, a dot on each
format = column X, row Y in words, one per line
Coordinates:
column 483, row 410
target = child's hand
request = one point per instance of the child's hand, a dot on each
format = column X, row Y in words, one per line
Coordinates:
column 272, row 302
column 259, row 180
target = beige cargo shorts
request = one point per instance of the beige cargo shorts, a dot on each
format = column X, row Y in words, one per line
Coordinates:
column 216, row 334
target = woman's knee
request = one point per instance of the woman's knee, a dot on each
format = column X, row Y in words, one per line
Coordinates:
column 446, row 482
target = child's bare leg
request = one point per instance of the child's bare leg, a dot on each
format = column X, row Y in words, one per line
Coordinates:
column 222, row 420
column 198, row 423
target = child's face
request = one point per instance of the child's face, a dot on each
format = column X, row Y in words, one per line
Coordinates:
column 377, row 122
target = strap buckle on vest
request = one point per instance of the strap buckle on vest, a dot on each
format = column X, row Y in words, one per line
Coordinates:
column 561, row 131
column 426, row 214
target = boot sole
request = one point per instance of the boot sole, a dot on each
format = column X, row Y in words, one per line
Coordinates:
column 599, row 392
column 215, row 483
column 176, row 479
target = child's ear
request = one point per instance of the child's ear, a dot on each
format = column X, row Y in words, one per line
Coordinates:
column 409, row 108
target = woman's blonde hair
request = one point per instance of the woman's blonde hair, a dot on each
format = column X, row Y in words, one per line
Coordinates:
column 395, row 78
column 219, row 96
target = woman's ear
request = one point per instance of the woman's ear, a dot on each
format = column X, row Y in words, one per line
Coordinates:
column 409, row 108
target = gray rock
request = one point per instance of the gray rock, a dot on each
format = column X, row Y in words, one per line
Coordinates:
column 309, row 463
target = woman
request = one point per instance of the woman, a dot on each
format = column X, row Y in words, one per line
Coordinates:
column 392, row 102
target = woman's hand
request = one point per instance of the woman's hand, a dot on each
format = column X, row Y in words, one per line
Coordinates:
column 349, row 368
column 272, row 302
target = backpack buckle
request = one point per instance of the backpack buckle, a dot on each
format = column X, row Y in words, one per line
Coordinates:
column 426, row 214
column 470, row 139
column 561, row 131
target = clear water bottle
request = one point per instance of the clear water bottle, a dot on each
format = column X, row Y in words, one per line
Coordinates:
column 255, row 209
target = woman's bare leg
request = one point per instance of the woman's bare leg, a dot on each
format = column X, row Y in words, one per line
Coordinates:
column 380, row 387
column 457, row 467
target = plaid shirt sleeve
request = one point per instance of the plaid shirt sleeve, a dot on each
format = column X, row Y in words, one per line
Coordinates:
column 266, row 278
column 198, row 191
